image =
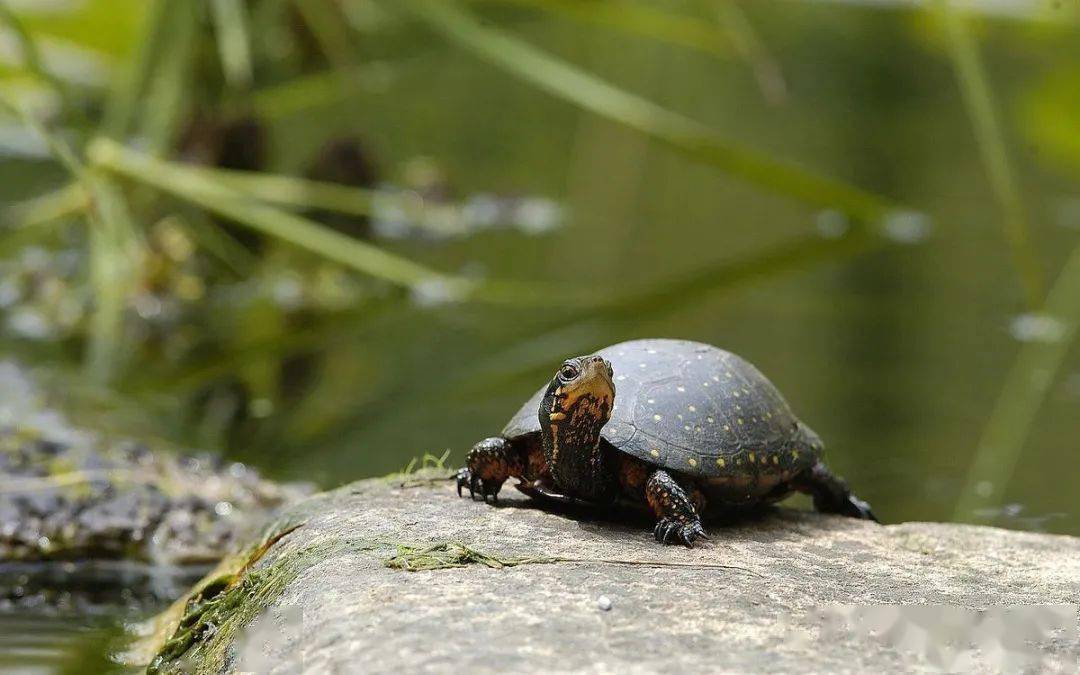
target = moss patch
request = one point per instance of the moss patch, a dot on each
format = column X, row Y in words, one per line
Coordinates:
column 449, row 555
column 227, row 600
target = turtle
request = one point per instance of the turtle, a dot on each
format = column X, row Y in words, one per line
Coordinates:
column 670, row 425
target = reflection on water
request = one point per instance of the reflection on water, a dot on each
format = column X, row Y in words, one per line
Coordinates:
column 1015, row 516
column 69, row 617
column 35, row 643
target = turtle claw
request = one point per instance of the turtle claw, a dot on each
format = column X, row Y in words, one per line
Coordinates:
column 477, row 486
column 673, row 531
column 857, row 508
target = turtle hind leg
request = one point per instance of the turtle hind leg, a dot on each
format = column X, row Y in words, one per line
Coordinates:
column 493, row 460
column 679, row 521
column 831, row 494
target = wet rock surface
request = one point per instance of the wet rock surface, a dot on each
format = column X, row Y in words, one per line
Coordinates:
column 70, row 494
column 403, row 576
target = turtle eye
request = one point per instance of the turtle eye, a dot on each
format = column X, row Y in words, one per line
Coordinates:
column 568, row 371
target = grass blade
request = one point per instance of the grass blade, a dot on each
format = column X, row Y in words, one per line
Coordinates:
column 642, row 20
column 298, row 192
column 1025, row 389
column 195, row 186
column 113, row 269
column 167, row 90
column 234, row 47
column 753, row 51
column 978, row 99
column 329, row 87
column 204, row 188
column 31, row 54
column 56, row 205
column 34, row 220
column 596, row 95
column 324, row 20
column 122, row 104
column 213, row 239
column 801, row 253
column 57, row 148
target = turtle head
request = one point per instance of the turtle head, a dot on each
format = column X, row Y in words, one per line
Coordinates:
column 575, row 407
column 581, row 390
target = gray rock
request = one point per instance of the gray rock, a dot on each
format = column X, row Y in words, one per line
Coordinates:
column 514, row 588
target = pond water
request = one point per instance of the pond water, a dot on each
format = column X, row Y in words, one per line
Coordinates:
column 33, row 643
column 895, row 353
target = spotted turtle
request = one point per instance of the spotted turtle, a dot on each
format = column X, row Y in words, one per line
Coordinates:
column 691, row 425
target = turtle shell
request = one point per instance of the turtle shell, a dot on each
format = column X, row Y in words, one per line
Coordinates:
column 695, row 409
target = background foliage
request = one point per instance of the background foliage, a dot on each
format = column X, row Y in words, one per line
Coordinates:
column 325, row 237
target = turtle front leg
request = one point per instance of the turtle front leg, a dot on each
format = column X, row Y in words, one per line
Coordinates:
column 492, row 461
column 679, row 520
column 831, row 493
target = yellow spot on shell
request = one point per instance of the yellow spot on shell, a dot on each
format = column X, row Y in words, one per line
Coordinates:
column 764, row 459
column 751, row 456
column 654, row 452
column 679, row 415
column 736, row 394
column 691, row 408
column 704, row 384
column 692, row 461
column 775, row 459
column 710, row 419
column 680, row 389
column 686, row 427
column 720, row 462
column 657, row 417
column 794, row 454
column 727, row 427
column 740, row 420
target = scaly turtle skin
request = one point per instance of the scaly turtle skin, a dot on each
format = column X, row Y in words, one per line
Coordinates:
column 691, row 424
